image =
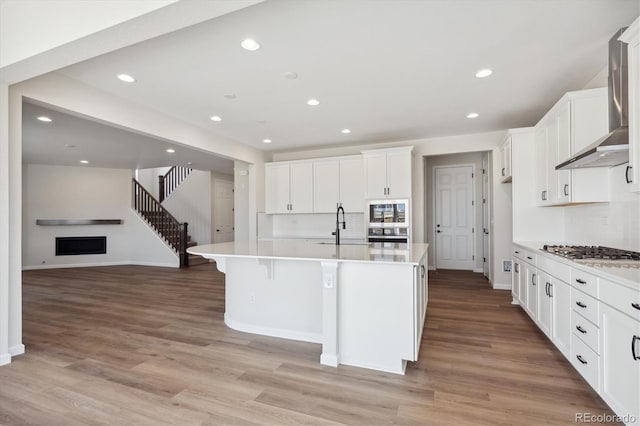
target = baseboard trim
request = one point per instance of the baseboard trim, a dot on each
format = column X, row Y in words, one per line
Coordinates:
column 330, row 360
column 499, row 286
column 95, row 264
column 431, row 268
column 273, row 332
column 478, row 270
column 16, row 350
column 5, row 359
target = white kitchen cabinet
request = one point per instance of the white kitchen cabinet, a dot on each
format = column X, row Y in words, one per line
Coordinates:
column 632, row 37
column 352, row 184
column 575, row 122
column 532, row 279
column 620, row 361
column 505, row 161
column 388, row 173
column 515, row 280
column 561, row 315
column 326, row 185
column 544, row 314
column 289, row 187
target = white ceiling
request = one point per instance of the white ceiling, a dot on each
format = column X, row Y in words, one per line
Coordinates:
column 102, row 145
column 387, row 70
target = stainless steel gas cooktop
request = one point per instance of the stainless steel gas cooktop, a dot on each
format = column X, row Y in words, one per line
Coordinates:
column 592, row 253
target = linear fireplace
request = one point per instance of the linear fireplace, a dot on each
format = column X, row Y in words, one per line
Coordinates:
column 68, row 246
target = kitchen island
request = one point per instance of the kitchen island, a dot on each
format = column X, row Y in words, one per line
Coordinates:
column 365, row 303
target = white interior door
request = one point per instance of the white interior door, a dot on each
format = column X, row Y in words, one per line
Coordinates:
column 223, row 211
column 454, row 217
column 485, row 216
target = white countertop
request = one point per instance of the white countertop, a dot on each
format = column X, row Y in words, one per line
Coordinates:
column 613, row 270
column 392, row 253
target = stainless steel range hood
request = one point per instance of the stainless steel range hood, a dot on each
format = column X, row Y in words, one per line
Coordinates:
column 613, row 148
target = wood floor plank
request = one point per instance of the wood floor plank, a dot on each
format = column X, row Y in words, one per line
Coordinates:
column 134, row 345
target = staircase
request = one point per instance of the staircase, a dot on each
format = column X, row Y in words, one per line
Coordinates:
column 174, row 233
column 171, row 180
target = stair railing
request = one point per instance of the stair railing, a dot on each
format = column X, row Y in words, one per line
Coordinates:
column 167, row 226
column 171, row 180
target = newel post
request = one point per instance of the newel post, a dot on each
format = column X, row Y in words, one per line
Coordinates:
column 161, row 188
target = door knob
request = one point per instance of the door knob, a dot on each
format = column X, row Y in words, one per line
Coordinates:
column 438, row 225
column 438, row 231
column 217, row 230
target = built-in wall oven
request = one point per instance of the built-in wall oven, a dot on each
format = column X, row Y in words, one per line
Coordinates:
column 388, row 221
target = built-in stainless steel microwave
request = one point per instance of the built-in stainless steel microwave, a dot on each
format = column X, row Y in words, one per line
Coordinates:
column 388, row 213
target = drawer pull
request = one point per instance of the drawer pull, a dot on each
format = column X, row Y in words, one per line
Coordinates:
column 633, row 348
column 636, row 305
column 581, row 359
column 529, row 257
column 579, row 281
column 517, row 252
column 582, row 305
column 581, row 330
column 533, row 279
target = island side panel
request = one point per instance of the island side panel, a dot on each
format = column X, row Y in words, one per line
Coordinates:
column 279, row 298
column 376, row 315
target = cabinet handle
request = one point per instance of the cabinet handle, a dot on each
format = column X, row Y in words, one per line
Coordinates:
column 388, row 191
column 550, row 290
column 517, row 269
column 566, row 189
column 581, row 359
column 636, row 305
column 516, row 252
column 581, row 330
column 533, row 279
column 529, row 257
column 633, row 347
column 422, row 270
column 626, row 174
column 579, row 281
column 546, row 289
column 503, row 171
column 582, row 305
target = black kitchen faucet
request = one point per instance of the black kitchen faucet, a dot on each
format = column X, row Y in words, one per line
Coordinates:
column 344, row 224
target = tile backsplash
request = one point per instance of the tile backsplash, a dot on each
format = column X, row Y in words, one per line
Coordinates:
column 319, row 225
column 613, row 224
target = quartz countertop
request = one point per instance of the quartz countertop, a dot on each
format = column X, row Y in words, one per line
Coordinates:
column 390, row 253
column 624, row 272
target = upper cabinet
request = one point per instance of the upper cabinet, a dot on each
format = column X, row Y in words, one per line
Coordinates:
column 388, row 173
column 289, row 187
column 576, row 121
column 632, row 37
column 315, row 186
column 505, row 161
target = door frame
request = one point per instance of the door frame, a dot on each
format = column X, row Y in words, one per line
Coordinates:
column 213, row 202
column 486, row 171
column 434, row 207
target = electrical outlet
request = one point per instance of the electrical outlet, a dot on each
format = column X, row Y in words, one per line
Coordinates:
column 506, row 266
column 252, row 298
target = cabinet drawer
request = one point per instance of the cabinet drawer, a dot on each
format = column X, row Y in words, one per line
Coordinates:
column 586, row 361
column 555, row 269
column 622, row 298
column 586, row 331
column 584, row 282
column 585, row 305
column 524, row 254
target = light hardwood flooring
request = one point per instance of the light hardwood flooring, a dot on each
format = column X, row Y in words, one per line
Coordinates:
column 141, row 345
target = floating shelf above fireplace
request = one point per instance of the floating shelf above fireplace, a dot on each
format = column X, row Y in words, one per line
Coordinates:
column 74, row 222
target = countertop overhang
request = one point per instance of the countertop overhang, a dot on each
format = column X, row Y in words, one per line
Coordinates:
column 390, row 253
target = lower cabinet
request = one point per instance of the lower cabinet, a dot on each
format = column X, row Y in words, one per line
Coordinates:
column 620, row 376
column 531, row 274
column 561, row 315
column 544, row 315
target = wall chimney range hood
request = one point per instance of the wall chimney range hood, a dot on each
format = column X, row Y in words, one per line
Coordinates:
column 613, row 148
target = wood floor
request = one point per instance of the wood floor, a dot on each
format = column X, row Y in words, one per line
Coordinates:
column 140, row 345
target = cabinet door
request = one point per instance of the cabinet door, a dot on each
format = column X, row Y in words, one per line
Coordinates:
column 633, row 168
column 507, row 159
column 532, row 291
column 620, row 357
column 399, row 174
column 515, row 280
column 503, row 166
column 301, row 188
column 561, row 316
column 552, row 161
column 352, row 184
column 375, row 168
column 522, row 284
column 276, row 182
column 544, row 303
column 541, row 165
column 326, row 185
column 563, row 122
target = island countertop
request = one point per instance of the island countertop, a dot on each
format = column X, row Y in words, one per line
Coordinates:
column 392, row 253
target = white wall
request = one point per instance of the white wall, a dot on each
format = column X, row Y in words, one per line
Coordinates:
column 614, row 224
column 475, row 159
column 191, row 202
column 57, row 192
column 501, row 223
column 148, row 178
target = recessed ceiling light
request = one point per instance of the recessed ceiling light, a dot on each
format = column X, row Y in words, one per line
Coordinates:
column 313, row 102
column 229, row 95
column 250, row 44
column 126, row 78
column 290, row 75
column 472, row 115
column 45, row 119
column 215, row 118
column 267, row 141
column 84, row 161
column 171, row 150
column 486, row 72
column 345, row 131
